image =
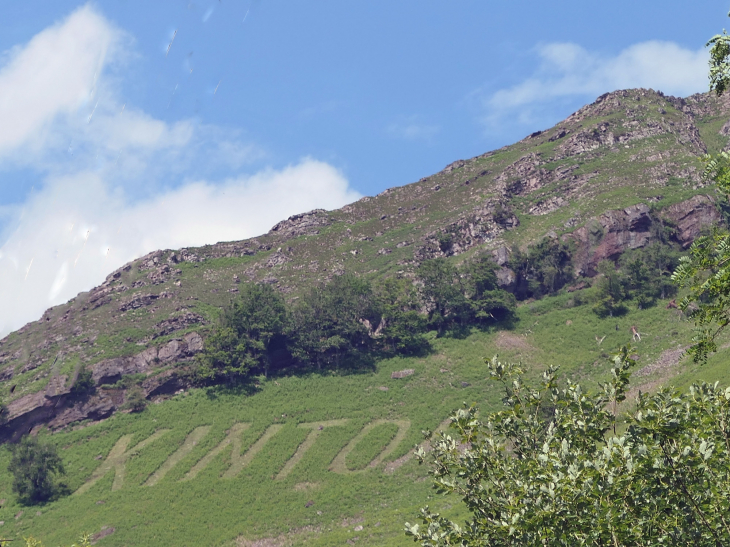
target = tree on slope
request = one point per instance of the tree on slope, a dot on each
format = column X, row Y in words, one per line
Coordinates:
column 550, row 469
column 327, row 324
column 241, row 344
column 34, row 466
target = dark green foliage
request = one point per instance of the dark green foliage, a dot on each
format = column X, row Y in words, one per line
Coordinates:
column 136, row 401
column 550, row 468
column 446, row 242
column 249, row 327
column 346, row 322
column 84, row 384
column 328, row 323
column 642, row 275
column 458, row 298
column 403, row 325
column 442, row 293
column 34, row 465
column 501, row 215
column 649, row 271
column 488, row 301
column 611, row 292
column 545, row 269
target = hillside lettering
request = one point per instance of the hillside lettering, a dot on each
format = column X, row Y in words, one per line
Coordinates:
column 119, row 454
column 117, row 460
column 316, row 428
column 338, row 464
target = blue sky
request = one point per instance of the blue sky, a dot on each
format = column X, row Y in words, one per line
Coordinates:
column 118, row 139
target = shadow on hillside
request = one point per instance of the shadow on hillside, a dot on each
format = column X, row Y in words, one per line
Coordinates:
column 241, row 388
column 461, row 332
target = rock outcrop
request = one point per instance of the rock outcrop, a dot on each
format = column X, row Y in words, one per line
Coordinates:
column 691, row 217
column 615, row 232
column 57, row 406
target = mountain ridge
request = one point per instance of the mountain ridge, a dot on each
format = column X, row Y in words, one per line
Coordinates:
column 606, row 178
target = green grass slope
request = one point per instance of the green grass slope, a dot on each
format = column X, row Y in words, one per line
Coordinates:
column 316, row 486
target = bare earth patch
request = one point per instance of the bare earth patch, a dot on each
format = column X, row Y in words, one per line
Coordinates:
column 306, row 486
column 392, row 467
column 284, row 540
column 513, row 342
column 668, row 359
column 664, row 366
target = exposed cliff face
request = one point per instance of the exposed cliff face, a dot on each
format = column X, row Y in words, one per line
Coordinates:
column 693, row 216
column 57, row 406
column 606, row 178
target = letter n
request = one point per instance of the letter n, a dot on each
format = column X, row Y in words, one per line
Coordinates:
column 238, row 460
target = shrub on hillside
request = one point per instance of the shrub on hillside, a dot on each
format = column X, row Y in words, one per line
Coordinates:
column 328, row 323
column 641, row 275
column 242, row 343
column 135, row 401
column 489, row 302
column 35, row 466
column 550, row 468
column 402, row 326
column 84, row 384
column 442, row 294
column 544, row 269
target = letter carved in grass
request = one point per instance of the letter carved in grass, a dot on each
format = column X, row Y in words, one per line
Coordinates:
column 120, row 453
column 117, row 460
column 339, row 465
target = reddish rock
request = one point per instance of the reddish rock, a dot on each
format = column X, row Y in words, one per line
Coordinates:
column 692, row 216
column 615, row 232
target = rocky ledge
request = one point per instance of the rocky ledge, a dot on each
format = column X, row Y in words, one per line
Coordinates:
column 58, row 406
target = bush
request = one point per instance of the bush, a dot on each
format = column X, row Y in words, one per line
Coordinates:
column 84, row 384
column 328, row 324
column 442, row 293
column 242, row 343
column 545, row 269
column 550, row 468
column 489, row 302
column 136, row 401
column 403, row 326
column 34, row 466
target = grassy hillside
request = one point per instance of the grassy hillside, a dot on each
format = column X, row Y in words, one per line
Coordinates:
column 318, row 500
column 324, row 459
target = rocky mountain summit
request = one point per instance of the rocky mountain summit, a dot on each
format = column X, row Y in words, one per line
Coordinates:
column 614, row 176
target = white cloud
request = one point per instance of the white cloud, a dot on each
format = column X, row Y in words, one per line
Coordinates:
column 79, row 229
column 570, row 72
column 55, row 73
column 112, row 182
